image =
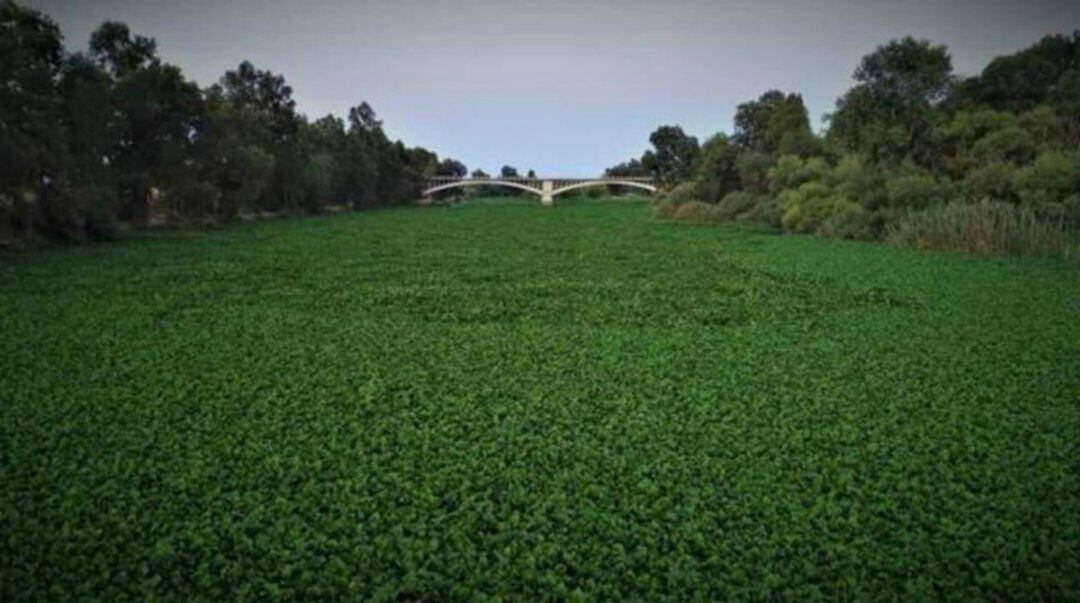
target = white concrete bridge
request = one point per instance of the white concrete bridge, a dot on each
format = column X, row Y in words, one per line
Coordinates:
column 545, row 188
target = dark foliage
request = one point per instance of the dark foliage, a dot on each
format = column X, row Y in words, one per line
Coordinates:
column 113, row 135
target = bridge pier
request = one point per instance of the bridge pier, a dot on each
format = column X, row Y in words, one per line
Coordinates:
column 547, row 187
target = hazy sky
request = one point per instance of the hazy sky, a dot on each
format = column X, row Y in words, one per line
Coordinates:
column 566, row 88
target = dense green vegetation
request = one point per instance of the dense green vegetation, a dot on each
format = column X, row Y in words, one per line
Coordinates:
column 579, row 402
column 91, row 140
column 912, row 154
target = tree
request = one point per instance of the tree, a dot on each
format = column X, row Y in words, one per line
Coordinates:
column 508, row 172
column 116, row 51
column 157, row 113
column 266, row 93
column 775, row 123
column 362, row 119
column 717, row 174
column 31, row 141
column 889, row 115
column 91, row 133
column 630, row 169
column 1023, row 80
column 674, row 154
column 452, row 168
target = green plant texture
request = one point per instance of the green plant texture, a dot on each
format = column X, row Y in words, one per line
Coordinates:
column 506, row 401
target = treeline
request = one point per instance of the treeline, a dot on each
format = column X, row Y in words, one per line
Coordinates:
column 112, row 135
column 911, row 154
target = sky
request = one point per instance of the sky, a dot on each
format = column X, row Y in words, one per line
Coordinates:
column 567, row 88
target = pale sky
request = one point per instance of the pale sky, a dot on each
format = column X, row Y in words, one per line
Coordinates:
column 565, row 88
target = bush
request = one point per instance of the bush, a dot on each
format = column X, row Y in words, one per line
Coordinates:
column 1010, row 144
column 696, row 211
column 858, row 180
column 753, row 168
column 914, row 190
column 991, row 181
column 736, row 204
column 1053, row 177
column 812, row 205
column 983, row 227
column 766, row 211
column 682, row 193
column 791, row 172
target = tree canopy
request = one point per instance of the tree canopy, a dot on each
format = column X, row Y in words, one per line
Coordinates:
column 115, row 134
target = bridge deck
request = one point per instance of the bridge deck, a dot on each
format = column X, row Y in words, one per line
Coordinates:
column 526, row 180
column 546, row 187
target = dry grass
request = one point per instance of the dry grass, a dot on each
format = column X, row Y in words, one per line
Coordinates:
column 986, row 227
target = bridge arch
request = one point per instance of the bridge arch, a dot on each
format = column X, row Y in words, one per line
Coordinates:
column 545, row 188
column 571, row 187
column 464, row 183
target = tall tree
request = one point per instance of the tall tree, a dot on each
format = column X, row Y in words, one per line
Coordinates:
column 717, row 173
column 673, row 155
column 31, row 141
column 890, row 113
column 265, row 92
column 452, row 168
column 157, row 112
column 120, row 53
column 775, row 123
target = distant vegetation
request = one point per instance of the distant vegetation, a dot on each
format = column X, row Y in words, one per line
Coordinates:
column 911, row 154
column 114, row 135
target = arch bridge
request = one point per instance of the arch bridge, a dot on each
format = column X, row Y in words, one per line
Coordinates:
column 545, row 188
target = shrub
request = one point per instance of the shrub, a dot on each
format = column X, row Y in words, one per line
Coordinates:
column 991, row 181
column 1051, row 178
column 983, row 227
column 682, row 193
column 766, row 211
column 696, row 211
column 848, row 220
column 813, row 204
column 858, row 180
column 792, row 171
column 753, row 168
column 1009, row 144
column 914, row 190
column 736, row 204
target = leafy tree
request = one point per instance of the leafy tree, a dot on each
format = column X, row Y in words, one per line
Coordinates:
column 115, row 50
column 717, row 172
column 266, row 93
column 159, row 112
column 1026, row 79
column 889, row 115
column 452, row 168
column 673, row 156
column 362, row 119
column 91, row 133
column 508, row 172
column 633, row 168
column 31, row 167
column 753, row 169
column 775, row 123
